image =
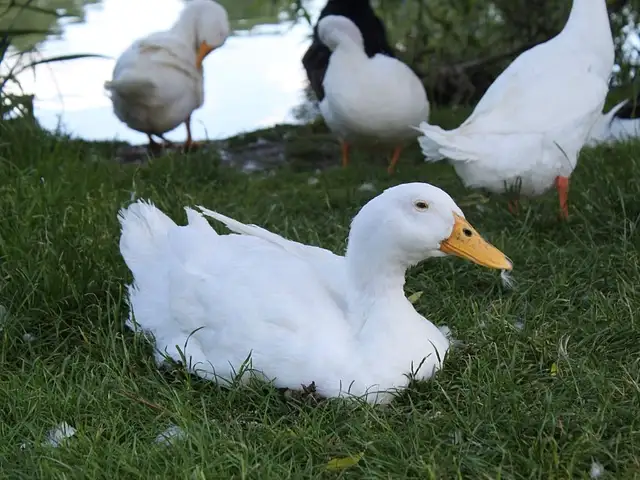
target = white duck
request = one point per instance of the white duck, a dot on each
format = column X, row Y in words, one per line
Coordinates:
column 158, row 81
column 302, row 313
column 377, row 98
column 530, row 125
column 620, row 123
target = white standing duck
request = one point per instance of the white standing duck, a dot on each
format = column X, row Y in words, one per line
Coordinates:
column 301, row 313
column 366, row 98
column 158, row 81
column 529, row 127
column 316, row 59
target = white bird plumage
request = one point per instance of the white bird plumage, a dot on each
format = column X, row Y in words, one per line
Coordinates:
column 302, row 313
column 158, row 81
column 378, row 98
column 612, row 127
column 530, row 125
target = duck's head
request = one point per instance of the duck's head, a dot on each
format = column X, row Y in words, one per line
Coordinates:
column 334, row 29
column 411, row 222
column 206, row 24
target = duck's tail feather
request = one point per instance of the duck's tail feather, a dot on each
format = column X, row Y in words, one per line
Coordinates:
column 601, row 131
column 612, row 113
column 144, row 232
column 243, row 229
column 307, row 252
column 438, row 144
column 196, row 220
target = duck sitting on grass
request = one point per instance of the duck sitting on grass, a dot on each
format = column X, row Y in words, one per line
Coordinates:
column 303, row 315
column 364, row 92
column 158, row 81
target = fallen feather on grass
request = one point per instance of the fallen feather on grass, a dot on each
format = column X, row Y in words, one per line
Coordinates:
column 562, row 347
column 57, row 436
column 344, row 462
column 27, row 337
column 172, row 433
column 367, row 187
column 597, row 470
column 507, row 280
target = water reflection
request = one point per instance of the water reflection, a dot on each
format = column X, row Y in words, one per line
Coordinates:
column 253, row 81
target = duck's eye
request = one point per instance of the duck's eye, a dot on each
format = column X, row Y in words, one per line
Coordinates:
column 420, row 205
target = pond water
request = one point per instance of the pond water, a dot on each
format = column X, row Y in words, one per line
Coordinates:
column 253, row 81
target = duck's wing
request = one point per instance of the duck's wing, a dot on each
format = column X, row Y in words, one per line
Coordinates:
column 329, row 267
column 315, row 62
column 211, row 300
column 374, row 34
column 237, row 295
column 548, row 96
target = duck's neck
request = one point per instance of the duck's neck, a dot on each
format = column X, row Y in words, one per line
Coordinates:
column 589, row 19
column 184, row 28
column 391, row 337
column 349, row 49
column 373, row 280
column 588, row 31
column 376, row 281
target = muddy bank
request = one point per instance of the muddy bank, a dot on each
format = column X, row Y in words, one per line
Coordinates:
column 303, row 147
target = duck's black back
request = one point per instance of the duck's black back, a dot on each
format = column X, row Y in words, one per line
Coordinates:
column 316, row 58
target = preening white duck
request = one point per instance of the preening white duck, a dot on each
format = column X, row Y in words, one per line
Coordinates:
column 374, row 35
column 620, row 123
column 368, row 99
column 529, row 127
column 302, row 313
column 158, row 81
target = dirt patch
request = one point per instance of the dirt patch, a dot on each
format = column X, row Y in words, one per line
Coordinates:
column 302, row 147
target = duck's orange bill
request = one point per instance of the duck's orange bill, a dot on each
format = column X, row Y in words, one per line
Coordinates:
column 465, row 242
column 203, row 51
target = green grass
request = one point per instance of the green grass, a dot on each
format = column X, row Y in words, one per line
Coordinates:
column 508, row 404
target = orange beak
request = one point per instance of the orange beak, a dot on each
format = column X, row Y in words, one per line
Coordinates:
column 203, row 51
column 465, row 242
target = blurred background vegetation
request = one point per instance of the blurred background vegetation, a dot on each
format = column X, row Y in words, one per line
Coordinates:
column 457, row 47
column 460, row 46
column 24, row 24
